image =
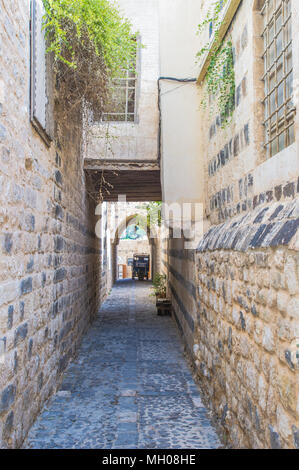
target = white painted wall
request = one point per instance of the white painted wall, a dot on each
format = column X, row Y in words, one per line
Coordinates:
column 135, row 141
column 182, row 162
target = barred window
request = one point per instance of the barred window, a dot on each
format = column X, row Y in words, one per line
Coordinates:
column 278, row 75
column 121, row 104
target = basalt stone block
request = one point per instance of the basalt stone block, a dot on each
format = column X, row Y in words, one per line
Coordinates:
column 255, row 202
column 278, row 192
column 224, row 414
column 30, row 347
column 22, row 309
column 3, row 133
column 21, row 333
column 288, row 358
column 274, row 438
column 260, row 216
column 8, row 426
column 58, row 212
column 2, row 346
column 44, row 279
column 26, row 286
column 58, row 177
column 63, row 362
column 60, row 275
column 254, row 310
column 236, row 145
column 40, row 381
column 276, row 212
column 286, row 233
column 8, row 396
column 261, row 233
column 289, row 190
column 7, row 243
column 242, row 321
column 10, row 313
column 230, row 338
column 59, row 243
column 296, row 436
column 16, row 362
column 30, row 265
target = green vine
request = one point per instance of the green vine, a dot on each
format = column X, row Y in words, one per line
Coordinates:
column 220, row 75
column 91, row 44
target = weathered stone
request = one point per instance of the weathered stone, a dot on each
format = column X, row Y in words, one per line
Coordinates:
column 282, row 301
column 8, row 425
column 293, row 308
column 274, row 438
column 60, row 274
column 268, row 339
column 283, row 423
column 26, row 286
column 291, row 275
column 8, row 396
column 10, row 315
column 287, row 391
column 20, row 333
column 296, row 436
column 7, row 243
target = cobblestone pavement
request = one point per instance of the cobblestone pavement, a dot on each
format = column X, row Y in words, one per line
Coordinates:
column 130, row 386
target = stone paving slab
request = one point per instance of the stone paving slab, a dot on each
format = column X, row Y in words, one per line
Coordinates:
column 130, row 386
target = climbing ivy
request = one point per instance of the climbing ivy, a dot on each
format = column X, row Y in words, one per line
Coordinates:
column 220, row 76
column 92, row 43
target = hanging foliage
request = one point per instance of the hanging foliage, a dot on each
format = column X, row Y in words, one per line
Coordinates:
column 92, row 44
column 220, row 76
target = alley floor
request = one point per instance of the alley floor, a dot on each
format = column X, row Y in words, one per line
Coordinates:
column 130, row 386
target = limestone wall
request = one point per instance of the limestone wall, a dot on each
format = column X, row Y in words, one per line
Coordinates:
column 236, row 299
column 237, row 168
column 247, row 334
column 49, row 255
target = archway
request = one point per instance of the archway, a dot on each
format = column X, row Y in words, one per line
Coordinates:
column 151, row 243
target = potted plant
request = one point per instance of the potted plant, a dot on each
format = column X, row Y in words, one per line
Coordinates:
column 159, row 285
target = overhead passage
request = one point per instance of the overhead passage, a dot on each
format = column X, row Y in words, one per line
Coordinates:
column 138, row 181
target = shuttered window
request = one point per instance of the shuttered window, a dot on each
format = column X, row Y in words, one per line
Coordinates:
column 40, row 112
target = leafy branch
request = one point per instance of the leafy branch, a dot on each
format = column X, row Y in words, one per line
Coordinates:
column 92, row 44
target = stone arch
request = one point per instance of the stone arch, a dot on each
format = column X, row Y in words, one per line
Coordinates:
column 153, row 241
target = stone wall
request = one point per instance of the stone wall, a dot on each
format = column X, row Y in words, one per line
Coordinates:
column 236, row 299
column 179, row 264
column 50, row 270
column 247, row 329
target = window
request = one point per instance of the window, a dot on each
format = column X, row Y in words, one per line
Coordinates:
column 278, row 75
column 41, row 114
column 122, row 100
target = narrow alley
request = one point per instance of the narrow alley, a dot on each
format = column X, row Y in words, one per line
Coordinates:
column 155, row 141
column 129, row 387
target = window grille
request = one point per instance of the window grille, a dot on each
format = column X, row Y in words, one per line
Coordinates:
column 278, row 75
column 122, row 99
